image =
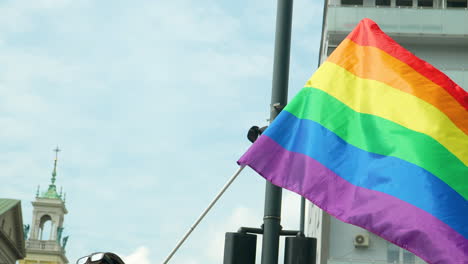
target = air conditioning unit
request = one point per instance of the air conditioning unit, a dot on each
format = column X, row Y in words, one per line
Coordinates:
column 361, row 240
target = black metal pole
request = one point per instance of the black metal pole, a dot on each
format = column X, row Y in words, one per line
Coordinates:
column 302, row 217
column 279, row 98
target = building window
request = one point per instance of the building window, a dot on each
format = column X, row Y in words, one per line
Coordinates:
column 382, row 2
column 425, row 3
column 408, row 257
column 351, row 2
column 404, row 2
column 457, row 3
column 45, row 228
column 399, row 256
column 393, row 254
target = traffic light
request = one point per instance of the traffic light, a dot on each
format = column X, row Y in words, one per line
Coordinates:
column 239, row 248
column 300, row 250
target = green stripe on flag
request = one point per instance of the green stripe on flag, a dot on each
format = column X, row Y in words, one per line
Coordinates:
column 378, row 135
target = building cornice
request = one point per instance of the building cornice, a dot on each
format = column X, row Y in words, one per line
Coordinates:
column 44, row 202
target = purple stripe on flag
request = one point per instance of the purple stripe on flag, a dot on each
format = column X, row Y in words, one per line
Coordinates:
column 389, row 217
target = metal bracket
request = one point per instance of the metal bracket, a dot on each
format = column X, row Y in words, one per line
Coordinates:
column 259, row 231
column 277, row 107
column 252, row 230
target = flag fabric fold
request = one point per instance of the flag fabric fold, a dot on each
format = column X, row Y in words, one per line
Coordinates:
column 377, row 138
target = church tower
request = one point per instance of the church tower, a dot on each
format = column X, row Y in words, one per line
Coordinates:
column 45, row 244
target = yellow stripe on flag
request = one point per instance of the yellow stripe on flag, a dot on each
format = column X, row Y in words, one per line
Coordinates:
column 377, row 98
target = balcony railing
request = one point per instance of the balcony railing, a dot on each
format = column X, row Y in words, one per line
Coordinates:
column 400, row 20
column 48, row 245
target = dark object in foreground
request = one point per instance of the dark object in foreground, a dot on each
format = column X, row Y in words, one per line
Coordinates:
column 255, row 132
column 101, row 258
column 239, row 248
column 300, row 250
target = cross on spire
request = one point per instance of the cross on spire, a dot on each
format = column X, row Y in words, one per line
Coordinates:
column 54, row 172
column 57, row 150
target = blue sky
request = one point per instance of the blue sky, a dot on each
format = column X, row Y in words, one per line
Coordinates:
column 150, row 102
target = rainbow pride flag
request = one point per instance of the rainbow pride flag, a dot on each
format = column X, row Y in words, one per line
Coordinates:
column 378, row 139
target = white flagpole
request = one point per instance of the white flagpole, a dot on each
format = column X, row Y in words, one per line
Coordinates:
column 228, row 183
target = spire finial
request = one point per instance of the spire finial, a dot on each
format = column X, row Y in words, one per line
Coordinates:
column 51, row 192
column 56, row 150
column 54, row 172
column 37, row 193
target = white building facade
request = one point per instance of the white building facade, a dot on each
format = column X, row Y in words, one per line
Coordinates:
column 435, row 31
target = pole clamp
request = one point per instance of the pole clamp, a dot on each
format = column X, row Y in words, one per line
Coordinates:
column 277, row 106
column 271, row 217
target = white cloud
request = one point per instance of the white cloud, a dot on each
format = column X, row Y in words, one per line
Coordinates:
column 139, row 256
column 49, row 3
column 18, row 16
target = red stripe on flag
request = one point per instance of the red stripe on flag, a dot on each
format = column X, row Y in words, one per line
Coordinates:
column 368, row 33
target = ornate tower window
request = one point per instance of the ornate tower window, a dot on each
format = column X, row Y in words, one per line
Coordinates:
column 45, row 227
